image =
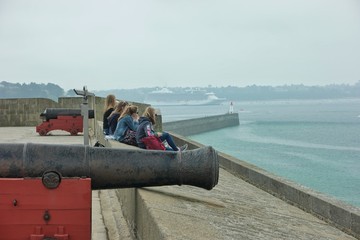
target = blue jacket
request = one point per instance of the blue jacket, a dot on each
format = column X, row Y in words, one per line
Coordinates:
column 123, row 125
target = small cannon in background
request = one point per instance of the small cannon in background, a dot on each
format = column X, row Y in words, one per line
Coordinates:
column 66, row 119
column 45, row 190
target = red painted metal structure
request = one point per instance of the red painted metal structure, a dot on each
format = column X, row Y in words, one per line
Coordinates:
column 29, row 210
column 70, row 120
column 71, row 124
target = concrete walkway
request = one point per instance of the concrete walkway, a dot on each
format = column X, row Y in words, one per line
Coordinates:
column 234, row 209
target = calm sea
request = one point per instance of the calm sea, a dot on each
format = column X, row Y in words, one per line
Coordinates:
column 315, row 143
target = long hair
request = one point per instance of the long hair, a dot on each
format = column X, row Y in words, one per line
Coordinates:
column 129, row 110
column 150, row 113
column 120, row 106
column 110, row 102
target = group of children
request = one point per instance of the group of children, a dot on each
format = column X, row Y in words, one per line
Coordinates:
column 121, row 122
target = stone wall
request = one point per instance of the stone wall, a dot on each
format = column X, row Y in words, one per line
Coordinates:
column 26, row 111
column 23, row 111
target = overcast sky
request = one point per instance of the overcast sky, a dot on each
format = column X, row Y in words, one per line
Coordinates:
column 139, row 43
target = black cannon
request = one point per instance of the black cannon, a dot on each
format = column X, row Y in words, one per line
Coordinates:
column 46, row 190
column 111, row 168
column 54, row 113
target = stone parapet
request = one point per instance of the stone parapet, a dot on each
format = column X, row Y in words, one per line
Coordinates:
column 23, row 111
column 26, row 111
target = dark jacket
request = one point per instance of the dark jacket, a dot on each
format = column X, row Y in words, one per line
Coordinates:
column 105, row 118
column 144, row 129
column 112, row 122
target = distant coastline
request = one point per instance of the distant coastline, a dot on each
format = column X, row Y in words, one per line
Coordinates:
column 229, row 93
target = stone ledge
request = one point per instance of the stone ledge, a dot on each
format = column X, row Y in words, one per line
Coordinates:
column 117, row 144
column 341, row 215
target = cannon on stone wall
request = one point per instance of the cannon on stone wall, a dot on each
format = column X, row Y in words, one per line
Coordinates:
column 66, row 119
column 46, row 189
column 110, row 167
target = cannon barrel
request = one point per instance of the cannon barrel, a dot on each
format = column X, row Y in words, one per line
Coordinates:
column 53, row 113
column 111, row 168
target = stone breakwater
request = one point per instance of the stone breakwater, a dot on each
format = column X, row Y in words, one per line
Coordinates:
column 203, row 124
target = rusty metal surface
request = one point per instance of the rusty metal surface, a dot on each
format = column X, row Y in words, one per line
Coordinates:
column 112, row 168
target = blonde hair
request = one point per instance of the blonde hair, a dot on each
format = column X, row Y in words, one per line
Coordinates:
column 150, row 113
column 129, row 110
column 120, row 106
column 110, row 102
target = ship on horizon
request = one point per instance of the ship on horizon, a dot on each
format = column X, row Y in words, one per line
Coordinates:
column 189, row 97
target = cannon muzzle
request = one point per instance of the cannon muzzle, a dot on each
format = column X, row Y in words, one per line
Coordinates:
column 111, row 168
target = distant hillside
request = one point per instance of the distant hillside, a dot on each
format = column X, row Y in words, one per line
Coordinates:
column 250, row 93
column 230, row 93
column 32, row 90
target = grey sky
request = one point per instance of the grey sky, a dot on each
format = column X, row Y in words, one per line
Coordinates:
column 129, row 44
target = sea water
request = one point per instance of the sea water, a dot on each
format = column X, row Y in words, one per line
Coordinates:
column 315, row 143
